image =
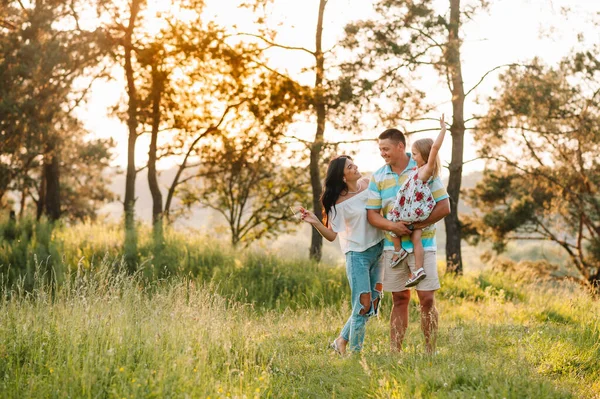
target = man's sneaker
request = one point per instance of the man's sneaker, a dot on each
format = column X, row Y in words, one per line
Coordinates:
column 416, row 279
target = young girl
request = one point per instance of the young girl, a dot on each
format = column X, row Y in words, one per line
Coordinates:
column 415, row 202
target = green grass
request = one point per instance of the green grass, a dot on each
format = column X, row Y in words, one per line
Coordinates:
column 221, row 324
column 58, row 253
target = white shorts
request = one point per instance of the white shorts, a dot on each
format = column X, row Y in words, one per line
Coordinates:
column 394, row 279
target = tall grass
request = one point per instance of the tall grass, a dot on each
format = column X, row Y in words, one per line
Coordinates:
column 254, row 277
column 213, row 322
column 107, row 334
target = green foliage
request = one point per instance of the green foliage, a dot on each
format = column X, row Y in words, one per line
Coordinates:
column 389, row 53
column 27, row 251
column 269, row 282
column 195, row 88
column 494, row 286
column 85, row 184
column 42, row 54
column 242, row 180
column 548, row 190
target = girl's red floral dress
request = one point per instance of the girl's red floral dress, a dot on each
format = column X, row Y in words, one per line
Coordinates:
column 414, row 201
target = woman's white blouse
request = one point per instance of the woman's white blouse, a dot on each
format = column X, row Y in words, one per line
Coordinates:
column 349, row 220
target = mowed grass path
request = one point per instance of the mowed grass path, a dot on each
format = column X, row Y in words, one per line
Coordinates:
column 106, row 335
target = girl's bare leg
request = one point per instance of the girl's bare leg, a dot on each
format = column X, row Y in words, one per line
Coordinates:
column 419, row 252
column 397, row 245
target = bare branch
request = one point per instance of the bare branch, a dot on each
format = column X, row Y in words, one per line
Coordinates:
column 333, row 143
column 472, row 160
column 75, row 15
column 531, row 149
column 348, row 142
column 490, row 71
column 275, row 44
column 7, row 24
column 473, row 118
column 528, row 238
column 166, row 129
column 421, row 130
column 441, row 46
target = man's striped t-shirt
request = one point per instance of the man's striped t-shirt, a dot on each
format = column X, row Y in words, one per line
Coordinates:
column 384, row 186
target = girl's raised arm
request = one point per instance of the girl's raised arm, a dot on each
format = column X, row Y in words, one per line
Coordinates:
column 435, row 148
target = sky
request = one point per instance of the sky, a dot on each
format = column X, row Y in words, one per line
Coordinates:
column 509, row 31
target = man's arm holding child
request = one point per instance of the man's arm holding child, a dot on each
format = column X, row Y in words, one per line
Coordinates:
column 377, row 220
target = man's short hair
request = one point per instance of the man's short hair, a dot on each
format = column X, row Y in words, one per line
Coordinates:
column 393, row 134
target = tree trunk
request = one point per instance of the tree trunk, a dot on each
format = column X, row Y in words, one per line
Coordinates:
column 42, row 197
column 24, row 194
column 235, row 240
column 132, row 123
column 457, row 129
column 175, row 183
column 594, row 281
column 157, row 87
column 5, row 180
column 171, row 193
column 316, row 245
column 52, row 178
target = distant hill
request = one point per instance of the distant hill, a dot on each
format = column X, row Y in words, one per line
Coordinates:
column 198, row 216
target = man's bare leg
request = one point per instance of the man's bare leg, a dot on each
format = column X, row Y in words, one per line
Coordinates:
column 399, row 319
column 429, row 319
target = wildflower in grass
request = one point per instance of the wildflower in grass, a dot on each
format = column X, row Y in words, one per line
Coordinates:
column 122, row 369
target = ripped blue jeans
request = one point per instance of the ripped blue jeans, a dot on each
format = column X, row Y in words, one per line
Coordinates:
column 365, row 276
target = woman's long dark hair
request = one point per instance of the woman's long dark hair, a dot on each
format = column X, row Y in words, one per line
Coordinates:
column 334, row 185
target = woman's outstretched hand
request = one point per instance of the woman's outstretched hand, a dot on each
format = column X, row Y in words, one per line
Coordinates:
column 311, row 218
column 308, row 216
column 442, row 123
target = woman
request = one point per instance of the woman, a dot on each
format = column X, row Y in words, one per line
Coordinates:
column 344, row 214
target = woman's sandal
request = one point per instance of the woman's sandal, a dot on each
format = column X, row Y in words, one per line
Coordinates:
column 334, row 345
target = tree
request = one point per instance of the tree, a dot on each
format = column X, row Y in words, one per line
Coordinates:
column 190, row 82
column 123, row 40
column 85, row 183
column 322, row 100
column 40, row 66
column 244, row 180
column 406, row 40
column 243, row 170
column 541, row 137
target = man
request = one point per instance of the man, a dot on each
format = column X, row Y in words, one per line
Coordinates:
column 383, row 188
